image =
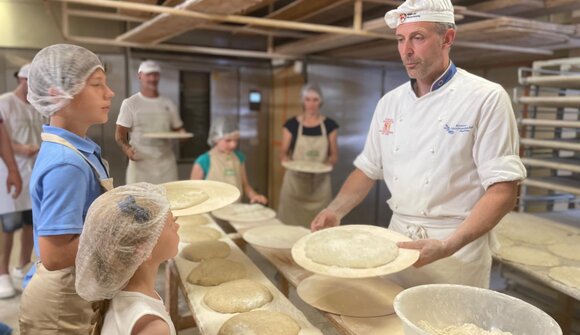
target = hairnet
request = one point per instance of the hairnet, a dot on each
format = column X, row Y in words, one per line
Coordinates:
column 57, row 74
column 314, row 88
column 120, row 231
column 220, row 128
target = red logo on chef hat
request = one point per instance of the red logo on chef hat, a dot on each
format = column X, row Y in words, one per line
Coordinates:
column 402, row 17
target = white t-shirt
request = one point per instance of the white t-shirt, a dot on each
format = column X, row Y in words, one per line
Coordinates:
column 127, row 308
column 440, row 152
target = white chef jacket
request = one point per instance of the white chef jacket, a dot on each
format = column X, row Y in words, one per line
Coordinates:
column 24, row 125
column 437, row 155
column 143, row 115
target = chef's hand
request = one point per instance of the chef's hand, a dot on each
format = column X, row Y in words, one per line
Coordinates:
column 13, row 181
column 131, row 154
column 258, row 198
column 325, row 219
column 430, row 250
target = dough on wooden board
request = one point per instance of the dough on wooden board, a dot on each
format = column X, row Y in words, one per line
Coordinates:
column 351, row 249
column 567, row 275
column 237, row 296
column 192, row 220
column 216, row 271
column 260, row 323
column 191, row 234
column 529, row 256
column 199, row 251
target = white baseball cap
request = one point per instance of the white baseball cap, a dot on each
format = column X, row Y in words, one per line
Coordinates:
column 149, row 66
column 23, row 72
column 421, row 11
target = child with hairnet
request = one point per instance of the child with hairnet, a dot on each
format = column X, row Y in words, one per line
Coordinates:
column 224, row 162
column 66, row 83
column 128, row 233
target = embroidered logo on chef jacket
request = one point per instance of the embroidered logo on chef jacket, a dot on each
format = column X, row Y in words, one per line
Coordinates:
column 387, row 127
column 457, row 129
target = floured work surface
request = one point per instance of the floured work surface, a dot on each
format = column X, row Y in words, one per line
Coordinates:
column 209, row 321
column 526, row 238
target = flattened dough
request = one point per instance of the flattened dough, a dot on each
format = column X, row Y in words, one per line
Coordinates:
column 200, row 251
column 528, row 231
column 464, row 329
column 350, row 249
column 216, row 271
column 192, row 220
column 275, row 236
column 192, row 234
column 260, row 323
column 568, row 251
column 187, row 199
column 237, row 296
column 529, row 256
column 567, row 275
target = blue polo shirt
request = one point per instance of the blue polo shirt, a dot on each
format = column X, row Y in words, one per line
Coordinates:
column 63, row 186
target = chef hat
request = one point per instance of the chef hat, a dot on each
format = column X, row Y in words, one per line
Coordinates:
column 149, row 66
column 421, row 10
column 23, row 72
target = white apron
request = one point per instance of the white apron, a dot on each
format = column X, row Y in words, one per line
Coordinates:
column 471, row 265
column 226, row 168
column 304, row 195
column 157, row 163
column 50, row 304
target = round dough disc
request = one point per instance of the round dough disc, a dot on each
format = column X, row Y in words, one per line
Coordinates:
column 216, row 271
column 567, row 275
column 277, row 236
column 245, row 213
column 528, row 231
column 187, row 199
column 307, row 167
column 528, row 256
column 369, row 297
column 350, row 249
column 237, row 296
column 193, row 220
column 192, row 234
column 200, row 251
column 568, row 251
column 260, row 323
column 180, row 194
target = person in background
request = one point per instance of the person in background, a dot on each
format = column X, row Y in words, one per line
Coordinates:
column 308, row 137
column 446, row 145
column 128, row 233
column 150, row 160
column 68, row 84
column 24, row 125
column 225, row 162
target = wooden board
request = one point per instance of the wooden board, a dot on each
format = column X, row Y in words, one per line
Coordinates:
column 572, row 81
column 563, row 144
column 568, row 164
column 560, row 184
column 550, row 123
column 567, row 101
column 507, row 7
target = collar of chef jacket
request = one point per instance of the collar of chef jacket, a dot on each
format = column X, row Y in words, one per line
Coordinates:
column 443, row 78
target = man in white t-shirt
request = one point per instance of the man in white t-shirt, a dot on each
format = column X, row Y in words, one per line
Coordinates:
column 446, row 145
column 150, row 160
column 23, row 125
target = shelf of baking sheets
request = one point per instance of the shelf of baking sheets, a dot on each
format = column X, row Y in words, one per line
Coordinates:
column 550, row 126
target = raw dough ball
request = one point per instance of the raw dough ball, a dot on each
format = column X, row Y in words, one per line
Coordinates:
column 216, row 271
column 352, row 249
column 203, row 250
column 187, row 199
column 529, row 256
column 237, row 296
column 567, row 275
column 260, row 323
column 192, row 234
column 193, row 220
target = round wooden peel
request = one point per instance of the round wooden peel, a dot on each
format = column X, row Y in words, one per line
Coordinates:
column 219, row 195
column 405, row 257
column 366, row 297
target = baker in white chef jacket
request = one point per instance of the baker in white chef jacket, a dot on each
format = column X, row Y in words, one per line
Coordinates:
column 446, row 145
column 150, row 160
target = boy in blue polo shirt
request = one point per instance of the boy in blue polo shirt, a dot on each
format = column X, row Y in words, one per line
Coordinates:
column 68, row 84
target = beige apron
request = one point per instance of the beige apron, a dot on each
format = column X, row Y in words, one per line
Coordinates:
column 471, row 265
column 304, row 195
column 226, row 168
column 50, row 304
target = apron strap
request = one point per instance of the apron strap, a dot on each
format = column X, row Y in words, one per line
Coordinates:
column 46, row 137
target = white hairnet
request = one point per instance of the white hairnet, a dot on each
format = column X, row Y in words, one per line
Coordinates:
column 57, row 74
column 120, row 231
column 220, row 128
column 314, row 88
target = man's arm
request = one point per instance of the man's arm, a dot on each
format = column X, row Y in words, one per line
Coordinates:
column 498, row 200
column 13, row 180
column 353, row 191
column 122, row 139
